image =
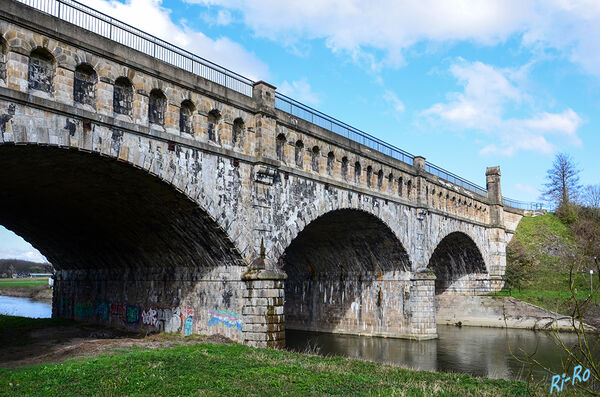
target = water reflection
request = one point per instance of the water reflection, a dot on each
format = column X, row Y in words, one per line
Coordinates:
column 24, row 307
column 472, row 350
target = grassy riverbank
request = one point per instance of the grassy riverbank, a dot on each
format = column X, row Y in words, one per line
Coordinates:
column 32, row 288
column 223, row 369
column 234, row 369
column 23, row 282
column 539, row 260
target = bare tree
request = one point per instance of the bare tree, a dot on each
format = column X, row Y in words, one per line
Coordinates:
column 591, row 196
column 562, row 184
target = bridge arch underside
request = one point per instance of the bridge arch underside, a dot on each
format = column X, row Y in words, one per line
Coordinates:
column 129, row 249
column 459, row 266
column 347, row 273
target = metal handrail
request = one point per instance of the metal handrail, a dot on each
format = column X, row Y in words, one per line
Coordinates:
column 97, row 22
column 453, row 178
column 524, row 205
column 309, row 114
column 113, row 29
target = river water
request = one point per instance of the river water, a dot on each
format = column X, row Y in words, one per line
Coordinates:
column 473, row 350
column 25, row 307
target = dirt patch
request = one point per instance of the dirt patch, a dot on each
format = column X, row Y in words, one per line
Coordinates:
column 56, row 344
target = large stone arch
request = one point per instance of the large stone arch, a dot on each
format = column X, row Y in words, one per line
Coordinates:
column 440, row 227
column 68, row 188
column 293, row 215
column 459, row 264
column 347, row 272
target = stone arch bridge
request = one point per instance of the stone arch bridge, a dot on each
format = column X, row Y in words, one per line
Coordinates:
column 169, row 201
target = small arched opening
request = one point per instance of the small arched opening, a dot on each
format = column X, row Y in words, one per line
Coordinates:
column 280, row 147
column 298, row 154
column 157, row 105
column 186, row 119
column 123, row 96
column 84, row 85
column 41, row 71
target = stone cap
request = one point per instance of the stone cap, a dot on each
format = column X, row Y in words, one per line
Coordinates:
column 260, row 82
column 419, row 162
column 492, row 170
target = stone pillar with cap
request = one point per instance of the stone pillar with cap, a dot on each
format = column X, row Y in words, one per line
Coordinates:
column 497, row 233
column 494, row 194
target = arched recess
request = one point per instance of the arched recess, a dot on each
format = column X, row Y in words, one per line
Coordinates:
column 41, row 71
column 347, row 272
column 458, row 265
column 117, row 236
column 84, row 85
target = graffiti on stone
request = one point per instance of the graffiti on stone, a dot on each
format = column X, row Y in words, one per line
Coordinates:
column 149, row 317
column 117, row 310
column 189, row 326
column 102, row 311
column 229, row 319
column 188, row 312
column 169, row 320
column 65, row 307
column 132, row 315
column 84, row 310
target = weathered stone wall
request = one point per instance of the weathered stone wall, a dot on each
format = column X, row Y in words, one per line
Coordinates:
column 186, row 300
column 352, row 304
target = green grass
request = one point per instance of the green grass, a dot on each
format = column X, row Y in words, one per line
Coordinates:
column 23, row 282
column 230, row 370
column 535, row 230
column 546, row 240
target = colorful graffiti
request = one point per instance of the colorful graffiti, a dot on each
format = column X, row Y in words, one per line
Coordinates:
column 229, row 319
column 102, row 311
column 65, row 307
column 188, row 312
column 132, row 314
column 83, row 310
column 169, row 320
column 189, row 326
column 117, row 310
column 165, row 320
column 149, row 317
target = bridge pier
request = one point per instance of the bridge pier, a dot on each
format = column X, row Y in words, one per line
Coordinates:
column 264, row 317
column 422, row 298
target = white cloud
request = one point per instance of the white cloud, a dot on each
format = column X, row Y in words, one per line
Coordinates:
column 393, row 100
column 389, row 27
column 489, row 94
column 32, row 254
column 224, row 17
column 300, row 90
column 150, row 16
column 527, row 191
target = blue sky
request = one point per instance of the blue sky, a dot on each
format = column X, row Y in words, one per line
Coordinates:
column 466, row 84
